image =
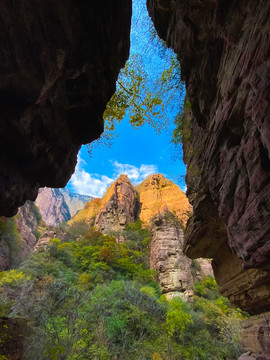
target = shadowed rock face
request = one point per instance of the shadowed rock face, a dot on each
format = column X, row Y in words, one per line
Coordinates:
column 223, row 49
column 59, row 64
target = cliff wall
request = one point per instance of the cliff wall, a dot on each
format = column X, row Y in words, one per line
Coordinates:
column 58, row 205
column 224, row 55
column 167, row 258
column 59, row 64
column 223, row 48
column 18, row 235
column 119, row 206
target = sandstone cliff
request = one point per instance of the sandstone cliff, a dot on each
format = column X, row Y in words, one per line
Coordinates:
column 158, row 194
column 59, row 64
column 223, row 50
column 118, row 207
column 153, row 196
column 58, row 205
column 167, row 257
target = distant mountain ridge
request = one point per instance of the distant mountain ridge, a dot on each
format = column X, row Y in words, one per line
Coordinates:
column 58, row 205
column 125, row 202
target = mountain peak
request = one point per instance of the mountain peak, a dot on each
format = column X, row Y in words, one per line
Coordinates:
column 123, row 202
column 158, row 194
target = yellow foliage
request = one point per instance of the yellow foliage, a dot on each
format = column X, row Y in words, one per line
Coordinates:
column 156, row 356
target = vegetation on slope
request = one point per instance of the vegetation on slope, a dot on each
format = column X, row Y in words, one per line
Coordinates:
column 92, row 298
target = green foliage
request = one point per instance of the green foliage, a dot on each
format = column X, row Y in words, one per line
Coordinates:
column 177, row 318
column 10, row 237
column 12, row 278
column 93, row 298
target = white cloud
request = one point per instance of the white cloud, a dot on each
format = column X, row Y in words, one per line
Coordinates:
column 135, row 174
column 95, row 185
column 88, row 184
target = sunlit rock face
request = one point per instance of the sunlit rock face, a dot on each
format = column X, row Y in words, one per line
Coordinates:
column 59, row 64
column 58, row 205
column 223, row 49
column 119, row 206
column 153, row 196
column 158, row 194
column 167, row 257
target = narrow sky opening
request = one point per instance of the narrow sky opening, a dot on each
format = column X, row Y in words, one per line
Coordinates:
column 136, row 152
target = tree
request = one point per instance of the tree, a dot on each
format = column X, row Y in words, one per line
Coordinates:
column 149, row 88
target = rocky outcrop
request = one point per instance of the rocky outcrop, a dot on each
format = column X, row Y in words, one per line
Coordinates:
column 47, row 236
column 167, row 257
column 58, row 205
column 158, row 194
column 119, row 206
column 255, row 337
column 18, row 236
column 27, row 221
column 88, row 214
column 223, row 49
column 59, row 64
column 125, row 202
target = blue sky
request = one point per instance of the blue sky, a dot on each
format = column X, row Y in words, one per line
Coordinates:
column 135, row 152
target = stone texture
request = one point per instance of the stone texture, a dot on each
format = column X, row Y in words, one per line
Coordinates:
column 46, row 237
column 256, row 337
column 58, row 205
column 118, row 207
column 168, row 259
column 27, row 221
column 246, row 288
column 18, row 236
column 223, row 49
column 158, row 194
column 59, row 64
column 201, row 268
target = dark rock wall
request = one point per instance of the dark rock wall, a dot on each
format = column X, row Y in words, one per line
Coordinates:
column 59, row 61
column 223, row 48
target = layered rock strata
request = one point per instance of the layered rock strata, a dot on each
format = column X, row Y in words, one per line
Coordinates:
column 119, row 206
column 223, row 49
column 58, row 205
column 59, row 64
column 168, row 259
column 255, row 337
